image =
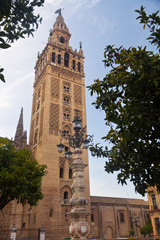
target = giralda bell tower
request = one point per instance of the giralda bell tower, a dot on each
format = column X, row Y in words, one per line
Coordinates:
column 59, row 89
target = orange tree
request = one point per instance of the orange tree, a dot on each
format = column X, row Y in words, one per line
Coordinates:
column 20, row 175
column 130, row 96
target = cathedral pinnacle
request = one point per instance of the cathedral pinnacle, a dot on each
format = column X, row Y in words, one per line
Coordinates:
column 20, row 139
column 19, row 130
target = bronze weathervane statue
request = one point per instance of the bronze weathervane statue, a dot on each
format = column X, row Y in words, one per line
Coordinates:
column 59, row 11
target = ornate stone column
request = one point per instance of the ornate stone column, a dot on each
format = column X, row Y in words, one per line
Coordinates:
column 79, row 227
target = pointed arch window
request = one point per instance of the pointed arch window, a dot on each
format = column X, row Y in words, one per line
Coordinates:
column 65, row 196
column 70, row 173
column 66, row 60
column 61, row 172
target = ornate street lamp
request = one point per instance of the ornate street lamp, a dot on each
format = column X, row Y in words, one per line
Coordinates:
column 79, row 227
column 77, row 139
column 60, row 147
column 68, row 155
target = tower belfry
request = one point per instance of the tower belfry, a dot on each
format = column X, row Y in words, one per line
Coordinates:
column 59, row 89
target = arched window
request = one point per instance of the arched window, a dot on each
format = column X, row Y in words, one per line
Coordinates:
column 74, row 64
column 65, row 196
column 92, row 216
column 61, row 173
column 66, row 149
column 53, row 56
column 61, row 39
column 66, row 114
column 66, row 60
column 66, row 87
column 70, row 173
column 59, row 59
column 79, row 66
column 66, row 100
column 51, row 212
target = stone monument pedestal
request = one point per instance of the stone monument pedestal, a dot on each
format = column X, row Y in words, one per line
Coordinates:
column 79, row 227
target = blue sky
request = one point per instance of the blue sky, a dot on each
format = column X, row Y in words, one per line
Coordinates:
column 96, row 23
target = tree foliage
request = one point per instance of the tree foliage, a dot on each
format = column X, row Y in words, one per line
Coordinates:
column 147, row 229
column 17, row 19
column 130, row 96
column 20, row 175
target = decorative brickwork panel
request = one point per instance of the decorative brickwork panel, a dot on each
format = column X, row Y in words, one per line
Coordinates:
column 54, row 88
column 34, row 104
column 38, row 105
column 67, row 113
column 31, row 133
column 61, row 162
column 54, row 119
column 77, row 94
column 39, row 93
column 79, row 112
column 37, row 118
column 35, row 136
column 70, row 162
column 41, row 124
column 43, row 91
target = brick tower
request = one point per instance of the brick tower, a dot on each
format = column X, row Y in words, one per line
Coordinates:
column 59, row 89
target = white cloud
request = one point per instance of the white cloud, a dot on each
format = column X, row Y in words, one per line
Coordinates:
column 10, row 92
column 73, row 5
column 104, row 24
column 92, row 3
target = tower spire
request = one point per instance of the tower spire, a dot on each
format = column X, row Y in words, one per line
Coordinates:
column 20, row 134
column 60, row 32
column 19, row 130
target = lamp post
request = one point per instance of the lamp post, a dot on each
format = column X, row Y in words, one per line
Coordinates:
column 79, row 227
